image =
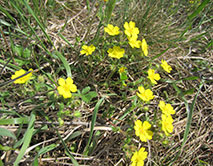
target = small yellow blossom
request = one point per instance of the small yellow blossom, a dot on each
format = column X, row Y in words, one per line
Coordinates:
column 142, row 130
column 133, row 42
column 145, row 95
column 166, row 109
column 23, row 79
column 122, row 69
column 152, row 76
column 112, row 30
column 88, row 50
column 144, row 47
column 165, row 66
column 130, row 29
column 66, row 87
column 167, row 126
column 139, row 157
column 116, row 52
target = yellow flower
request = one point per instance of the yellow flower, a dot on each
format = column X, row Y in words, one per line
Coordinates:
column 152, row 76
column 88, row 50
column 23, row 79
column 166, row 109
column 139, row 157
column 66, row 87
column 130, row 29
column 133, row 42
column 144, row 47
column 116, row 52
column 112, row 30
column 165, row 66
column 142, row 130
column 122, row 69
column 167, row 126
column 145, row 95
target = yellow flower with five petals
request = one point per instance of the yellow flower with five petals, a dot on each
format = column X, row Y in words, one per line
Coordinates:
column 130, row 29
column 144, row 47
column 116, row 52
column 139, row 157
column 152, row 76
column 167, row 126
column 88, row 50
column 66, row 87
column 23, row 79
column 112, row 30
column 166, row 66
column 145, row 94
column 166, row 109
column 142, row 130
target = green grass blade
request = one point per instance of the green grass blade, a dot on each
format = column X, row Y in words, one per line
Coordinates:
column 189, row 115
column 7, row 133
column 193, row 15
column 199, row 9
column 43, row 151
column 27, row 139
column 7, row 14
column 189, row 109
column 65, row 63
column 27, row 23
column 109, row 8
column 65, row 39
column 67, row 149
column 37, row 20
column 24, row 120
column 94, row 116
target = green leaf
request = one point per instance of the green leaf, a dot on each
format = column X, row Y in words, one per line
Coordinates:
column 5, row 148
column 191, row 78
column 7, row 133
column 24, row 120
column 18, row 50
column 26, row 53
column 89, row 96
column 188, row 92
column 43, row 151
column 65, row 63
column 67, row 152
column 1, row 163
column 85, row 90
column 27, row 139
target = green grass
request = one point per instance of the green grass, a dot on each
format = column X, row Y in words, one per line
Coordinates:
column 96, row 126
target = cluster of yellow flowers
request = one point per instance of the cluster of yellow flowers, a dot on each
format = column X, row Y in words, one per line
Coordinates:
column 131, row 32
column 142, row 129
column 65, row 86
column 166, row 117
